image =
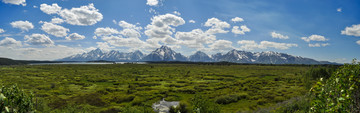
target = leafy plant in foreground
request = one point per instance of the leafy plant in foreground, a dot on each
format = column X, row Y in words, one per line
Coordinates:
column 340, row 93
column 13, row 99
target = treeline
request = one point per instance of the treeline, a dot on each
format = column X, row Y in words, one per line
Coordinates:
column 7, row 61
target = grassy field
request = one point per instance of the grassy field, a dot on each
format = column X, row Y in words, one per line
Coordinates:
column 109, row 88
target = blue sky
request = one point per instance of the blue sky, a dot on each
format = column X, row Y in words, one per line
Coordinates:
column 321, row 29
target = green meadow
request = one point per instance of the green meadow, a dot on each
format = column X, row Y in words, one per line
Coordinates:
column 125, row 87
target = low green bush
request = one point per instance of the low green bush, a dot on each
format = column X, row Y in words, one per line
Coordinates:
column 136, row 109
column 261, row 101
column 295, row 105
column 137, row 101
column 227, row 99
column 201, row 105
column 279, row 99
column 123, row 98
column 181, row 108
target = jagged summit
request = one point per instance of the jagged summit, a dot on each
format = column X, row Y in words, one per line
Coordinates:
column 165, row 47
column 164, row 53
column 200, row 57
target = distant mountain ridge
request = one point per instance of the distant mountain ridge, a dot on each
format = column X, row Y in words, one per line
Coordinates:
column 165, row 53
column 112, row 55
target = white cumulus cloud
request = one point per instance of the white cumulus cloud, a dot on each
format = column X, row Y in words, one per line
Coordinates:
column 105, row 31
column 358, row 42
column 83, row 16
column 237, row 19
column 127, row 37
column 221, row 45
column 10, row 42
column 152, row 2
column 319, row 45
column 75, row 36
column 15, row 2
column 38, row 39
column 120, row 41
column 241, row 31
column 130, row 30
column 339, row 10
column 354, row 30
column 2, row 30
column 191, row 21
column 104, row 46
column 53, row 29
column 162, row 26
column 56, row 21
column 268, row 44
column 314, row 38
column 278, row 35
column 217, row 26
column 130, row 33
column 195, row 38
column 22, row 25
column 50, row 9
column 177, row 13
column 251, row 45
column 127, row 25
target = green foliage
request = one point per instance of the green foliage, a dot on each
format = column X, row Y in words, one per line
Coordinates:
column 340, row 93
column 317, row 73
column 202, row 105
column 323, row 72
column 227, row 99
column 136, row 109
column 261, row 101
column 14, row 100
column 181, row 108
column 279, row 99
column 295, row 105
column 107, row 88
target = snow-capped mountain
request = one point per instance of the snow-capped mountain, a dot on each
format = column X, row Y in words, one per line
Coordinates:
column 216, row 57
column 164, row 53
column 200, row 57
column 112, row 55
column 267, row 57
column 90, row 56
column 238, row 56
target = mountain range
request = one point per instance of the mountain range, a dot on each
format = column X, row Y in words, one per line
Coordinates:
column 112, row 55
column 165, row 53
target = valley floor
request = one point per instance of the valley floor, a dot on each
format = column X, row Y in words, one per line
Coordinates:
column 114, row 87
